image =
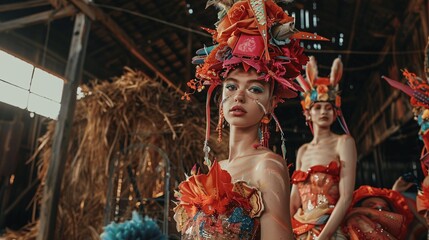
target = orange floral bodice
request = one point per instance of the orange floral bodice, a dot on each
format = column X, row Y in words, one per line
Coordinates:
column 318, row 189
column 212, row 206
column 318, row 186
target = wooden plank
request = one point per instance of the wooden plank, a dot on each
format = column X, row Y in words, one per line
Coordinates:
column 22, row 5
column 58, row 3
column 97, row 14
column 376, row 115
column 353, row 31
column 73, row 73
column 37, row 18
column 189, row 57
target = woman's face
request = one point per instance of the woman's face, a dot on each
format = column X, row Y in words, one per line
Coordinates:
column 240, row 95
column 376, row 203
column 322, row 114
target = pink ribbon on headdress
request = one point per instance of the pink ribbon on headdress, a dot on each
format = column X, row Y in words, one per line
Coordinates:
column 404, row 88
column 206, row 147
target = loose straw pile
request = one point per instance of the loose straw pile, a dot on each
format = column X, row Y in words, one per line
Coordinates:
column 112, row 123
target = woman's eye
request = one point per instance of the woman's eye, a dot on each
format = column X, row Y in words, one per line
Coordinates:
column 256, row 89
column 230, row 87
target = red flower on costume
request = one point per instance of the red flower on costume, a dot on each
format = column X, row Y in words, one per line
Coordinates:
column 214, row 193
column 212, row 198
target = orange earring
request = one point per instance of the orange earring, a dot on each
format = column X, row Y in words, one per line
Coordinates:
column 220, row 124
column 264, row 130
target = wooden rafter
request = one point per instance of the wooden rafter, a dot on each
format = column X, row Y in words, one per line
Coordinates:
column 23, row 5
column 353, row 31
column 95, row 13
column 37, row 18
column 58, row 3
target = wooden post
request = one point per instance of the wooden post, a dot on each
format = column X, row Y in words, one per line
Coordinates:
column 73, row 73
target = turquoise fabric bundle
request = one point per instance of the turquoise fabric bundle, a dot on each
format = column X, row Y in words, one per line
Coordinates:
column 138, row 228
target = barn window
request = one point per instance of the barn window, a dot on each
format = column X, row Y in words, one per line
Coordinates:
column 25, row 86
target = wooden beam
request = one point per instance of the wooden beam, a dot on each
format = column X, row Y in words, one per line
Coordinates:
column 353, row 31
column 58, row 3
column 378, row 114
column 424, row 15
column 73, row 73
column 189, row 56
column 22, row 5
column 95, row 13
column 37, row 18
column 387, row 133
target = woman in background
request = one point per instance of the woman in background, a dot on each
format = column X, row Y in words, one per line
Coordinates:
column 324, row 179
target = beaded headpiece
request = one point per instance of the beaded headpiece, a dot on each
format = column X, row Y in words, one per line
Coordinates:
column 255, row 34
column 322, row 89
column 418, row 90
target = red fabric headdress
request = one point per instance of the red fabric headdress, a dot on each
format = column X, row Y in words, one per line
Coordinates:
column 253, row 34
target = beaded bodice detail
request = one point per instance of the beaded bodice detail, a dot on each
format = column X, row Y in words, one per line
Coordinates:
column 318, row 187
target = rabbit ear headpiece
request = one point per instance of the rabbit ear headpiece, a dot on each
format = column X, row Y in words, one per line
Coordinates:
column 322, row 89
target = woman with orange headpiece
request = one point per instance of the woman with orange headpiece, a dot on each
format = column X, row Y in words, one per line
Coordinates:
column 324, row 179
column 418, row 90
column 255, row 60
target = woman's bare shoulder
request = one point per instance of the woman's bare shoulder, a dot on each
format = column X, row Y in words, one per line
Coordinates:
column 302, row 149
column 270, row 172
column 345, row 140
column 270, row 160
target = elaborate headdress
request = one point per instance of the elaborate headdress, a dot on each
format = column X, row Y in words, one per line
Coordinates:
column 322, row 89
column 418, row 90
column 254, row 34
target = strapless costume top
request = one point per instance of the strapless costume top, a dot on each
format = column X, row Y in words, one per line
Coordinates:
column 211, row 206
column 318, row 187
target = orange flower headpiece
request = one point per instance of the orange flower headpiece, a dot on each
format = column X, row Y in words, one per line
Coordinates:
column 322, row 89
column 254, row 34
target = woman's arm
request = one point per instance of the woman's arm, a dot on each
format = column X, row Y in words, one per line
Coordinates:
column 347, row 153
column 272, row 177
column 295, row 198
